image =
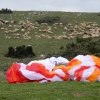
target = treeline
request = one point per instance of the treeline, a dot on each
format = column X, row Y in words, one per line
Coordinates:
column 5, row 11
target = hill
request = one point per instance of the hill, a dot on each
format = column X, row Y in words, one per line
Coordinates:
column 45, row 31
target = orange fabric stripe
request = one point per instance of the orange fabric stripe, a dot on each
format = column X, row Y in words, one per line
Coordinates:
column 63, row 68
column 58, row 67
column 39, row 68
column 94, row 76
column 13, row 74
column 96, row 60
column 72, row 63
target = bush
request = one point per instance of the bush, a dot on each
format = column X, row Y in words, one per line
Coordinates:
column 20, row 52
column 48, row 19
column 80, row 47
column 11, row 52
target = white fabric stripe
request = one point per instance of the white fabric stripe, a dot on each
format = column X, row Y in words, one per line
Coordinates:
column 37, row 76
column 60, row 72
column 72, row 70
column 86, row 60
column 88, row 72
column 30, row 74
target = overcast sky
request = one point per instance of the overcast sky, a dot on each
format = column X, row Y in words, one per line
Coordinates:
column 52, row 5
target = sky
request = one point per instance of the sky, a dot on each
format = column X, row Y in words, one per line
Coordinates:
column 52, row 5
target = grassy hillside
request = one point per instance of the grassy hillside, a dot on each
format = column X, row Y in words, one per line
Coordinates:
column 42, row 41
column 21, row 28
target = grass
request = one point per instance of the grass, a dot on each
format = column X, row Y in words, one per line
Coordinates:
column 71, row 90
column 66, row 90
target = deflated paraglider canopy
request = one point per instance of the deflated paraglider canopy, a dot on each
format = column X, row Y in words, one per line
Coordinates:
column 38, row 71
column 80, row 68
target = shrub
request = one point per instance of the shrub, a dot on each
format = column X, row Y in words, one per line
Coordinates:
column 80, row 47
column 48, row 19
column 11, row 52
column 20, row 52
